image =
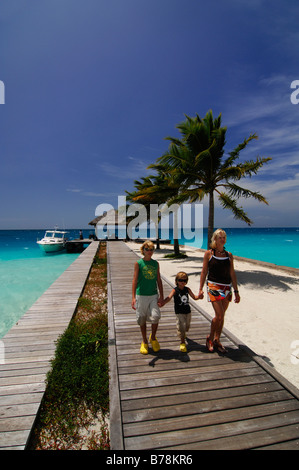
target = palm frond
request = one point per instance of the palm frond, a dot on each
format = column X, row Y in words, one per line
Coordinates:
column 175, row 141
column 234, row 155
column 175, row 156
column 230, row 173
column 251, row 167
column 196, row 194
column 236, row 172
column 236, row 191
column 229, row 203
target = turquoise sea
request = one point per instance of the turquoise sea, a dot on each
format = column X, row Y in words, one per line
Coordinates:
column 274, row 245
column 26, row 272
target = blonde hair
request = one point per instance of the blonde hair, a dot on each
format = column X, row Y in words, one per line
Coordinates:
column 215, row 235
column 147, row 244
column 180, row 275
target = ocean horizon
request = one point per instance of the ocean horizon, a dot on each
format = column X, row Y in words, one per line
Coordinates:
column 276, row 245
column 26, row 272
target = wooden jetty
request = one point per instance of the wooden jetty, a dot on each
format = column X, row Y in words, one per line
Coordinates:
column 77, row 245
column 28, row 348
column 198, row 400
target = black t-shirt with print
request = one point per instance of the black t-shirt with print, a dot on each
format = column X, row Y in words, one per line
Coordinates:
column 181, row 300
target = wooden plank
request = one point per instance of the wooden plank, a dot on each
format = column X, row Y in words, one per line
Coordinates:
column 197, row 396
column 29, row 347
column 190, row 388
column 214, row 432
column 170, row 400
column 207, row 406
column 9, row 440
column 281, row 438
column 206, row 419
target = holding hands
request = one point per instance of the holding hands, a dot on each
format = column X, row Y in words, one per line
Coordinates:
column 200, row 294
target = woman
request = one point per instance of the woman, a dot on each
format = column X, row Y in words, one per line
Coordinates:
column 219, row 267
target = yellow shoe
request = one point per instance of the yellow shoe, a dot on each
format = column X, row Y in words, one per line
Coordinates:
column 144, row 348
column 183, row 347
column 154, row 343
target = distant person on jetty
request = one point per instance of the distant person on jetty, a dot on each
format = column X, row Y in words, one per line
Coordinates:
column 145, row 300
column 182, row 309
column 218, row 265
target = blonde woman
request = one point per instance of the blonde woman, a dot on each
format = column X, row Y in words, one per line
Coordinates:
column 218, row 267
column 145, row 285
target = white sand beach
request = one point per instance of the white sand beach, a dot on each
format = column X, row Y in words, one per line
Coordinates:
column 266, row 319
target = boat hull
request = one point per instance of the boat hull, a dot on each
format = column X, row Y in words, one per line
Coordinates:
column 51, row 247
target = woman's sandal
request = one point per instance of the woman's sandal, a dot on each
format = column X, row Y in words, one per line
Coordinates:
column 209, row 344
column 219, row 347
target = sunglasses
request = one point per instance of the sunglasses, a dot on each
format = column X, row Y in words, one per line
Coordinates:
column 148, row 249
column 182, row 280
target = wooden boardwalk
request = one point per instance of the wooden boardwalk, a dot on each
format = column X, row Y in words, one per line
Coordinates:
column 169, row 400
column 30, row 345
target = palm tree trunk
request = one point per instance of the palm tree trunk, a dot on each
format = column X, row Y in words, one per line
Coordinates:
column 175, row 233
column 157, row 236
column 211, row 217
column 176, row 247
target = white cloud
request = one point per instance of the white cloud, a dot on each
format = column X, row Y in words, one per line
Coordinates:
column 92, row 193
column 282, row 197
column 130, row 172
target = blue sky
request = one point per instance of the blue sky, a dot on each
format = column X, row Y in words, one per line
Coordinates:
column 93, row 88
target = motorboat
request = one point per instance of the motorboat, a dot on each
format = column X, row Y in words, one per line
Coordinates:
column 54, row 240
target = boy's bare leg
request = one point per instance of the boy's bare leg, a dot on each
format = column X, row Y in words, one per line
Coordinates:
column 154, row 330
column 143, row 332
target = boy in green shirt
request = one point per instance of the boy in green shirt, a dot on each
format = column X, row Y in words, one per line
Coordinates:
column 145, row 295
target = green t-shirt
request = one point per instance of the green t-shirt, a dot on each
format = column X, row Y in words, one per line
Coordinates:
column 147, row 277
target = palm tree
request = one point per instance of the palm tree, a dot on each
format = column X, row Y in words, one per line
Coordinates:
column 141, row 195
column 200, row 169
column 158, row 189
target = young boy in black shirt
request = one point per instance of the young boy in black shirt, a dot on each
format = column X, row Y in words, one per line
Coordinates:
column 180, row 294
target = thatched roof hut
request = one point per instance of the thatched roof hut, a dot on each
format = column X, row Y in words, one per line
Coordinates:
column 109, row 218
column 110, row 225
